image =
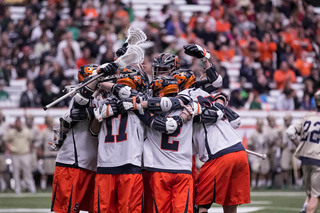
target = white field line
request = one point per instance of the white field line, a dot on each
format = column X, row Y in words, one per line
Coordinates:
column 239, row 209
column 277, row 194
column 25, row 210
column 23, row 195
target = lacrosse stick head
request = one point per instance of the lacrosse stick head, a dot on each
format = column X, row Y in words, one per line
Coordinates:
column 135, row 36
column 134, row 55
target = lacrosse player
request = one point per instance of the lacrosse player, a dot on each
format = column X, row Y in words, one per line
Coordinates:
column 308, row 152
column 219, row 146
column 73, row 182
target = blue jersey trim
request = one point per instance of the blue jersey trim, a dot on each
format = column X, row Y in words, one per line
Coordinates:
column 168, row 170
column 309, row 161
column 125, row 169
column 234, row 148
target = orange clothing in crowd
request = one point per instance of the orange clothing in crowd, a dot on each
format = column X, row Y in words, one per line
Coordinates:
column 304, row 67
column 121, row 14
column 81, row 62
column 224, row 55
column 266, row 50
column 289, row 35
column 281, row 77
column 300, row 45
column 90, row 12
column 222, row 26
column 192, row 22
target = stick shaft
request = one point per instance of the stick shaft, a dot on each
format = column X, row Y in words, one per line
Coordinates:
column 263, row 156
column 72, row 91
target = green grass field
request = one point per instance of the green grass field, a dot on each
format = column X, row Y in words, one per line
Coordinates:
column 262, row 202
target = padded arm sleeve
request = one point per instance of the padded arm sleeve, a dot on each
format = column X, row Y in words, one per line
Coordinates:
column 164, row 104
column 233, row 117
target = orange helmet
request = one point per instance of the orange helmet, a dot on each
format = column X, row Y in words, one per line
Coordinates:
column 164, row 86
column 139, row 82
column 86, row 71
column 165, row 63
column 185, row 78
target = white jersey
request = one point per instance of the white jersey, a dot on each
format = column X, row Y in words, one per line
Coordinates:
column 259, row 142
column 121, row 141
column 194, row 93
column 214, row 140
column 169, row 153
column 79, row 149
column 308, row 128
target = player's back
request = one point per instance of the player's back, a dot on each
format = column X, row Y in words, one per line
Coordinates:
column 79, row 148
column 214, row 140
column 169, row 152
column 121, row 141
column 309, row 146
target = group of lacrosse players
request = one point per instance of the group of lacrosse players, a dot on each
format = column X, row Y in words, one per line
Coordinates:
column 127, row 144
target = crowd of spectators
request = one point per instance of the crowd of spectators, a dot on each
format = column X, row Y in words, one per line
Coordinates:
column 275, row 41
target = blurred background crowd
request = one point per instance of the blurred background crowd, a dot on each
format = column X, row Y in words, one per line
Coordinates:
column 266, row 50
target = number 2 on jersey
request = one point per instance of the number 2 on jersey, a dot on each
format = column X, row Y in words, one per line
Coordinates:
column 314, row 134
column 166, row 145
column 122, row 130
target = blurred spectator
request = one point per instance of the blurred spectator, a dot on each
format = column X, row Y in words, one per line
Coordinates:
column 287, row 150
column 301, row 43
column 44, row 152
column 90, row 11
column 303, row 65
column 4, row 95
column 308, row 99
column 236, row 100
column 259, row 168
column 42, row 46
column 284, row 75
column 40, row 31
column 255, row 103
column 47, row 95
column 175, row 26
column 225, row 77
column 68, row 51
column 260, row 83
column 6, row 19
column 285, row 101
column 56, row 76
column 272, row 138
column 25, row 61
column 35, row 139
column 3, row 165
column 246, row 69
column 267, row 47
column 91, row 43
column 30, row 97
column 315, row 78
column 18, row 141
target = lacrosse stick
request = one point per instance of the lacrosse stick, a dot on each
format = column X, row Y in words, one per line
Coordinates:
column 134, row 55
column 263, row 156
column 135, row 36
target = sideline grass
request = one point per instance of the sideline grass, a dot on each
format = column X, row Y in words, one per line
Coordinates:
column 265, row 201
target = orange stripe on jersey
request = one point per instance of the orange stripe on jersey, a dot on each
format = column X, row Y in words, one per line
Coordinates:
column 107, row 112
column 134, row 101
